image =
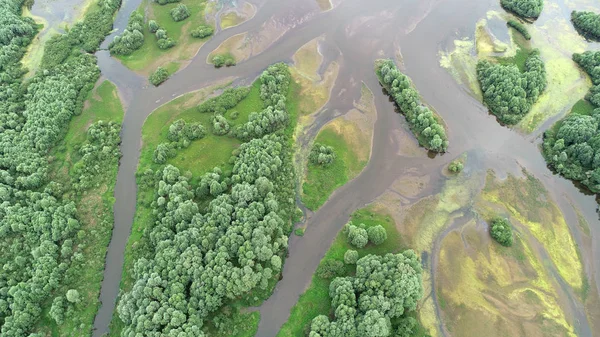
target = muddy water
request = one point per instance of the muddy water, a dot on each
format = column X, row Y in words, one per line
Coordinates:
column 358, row 31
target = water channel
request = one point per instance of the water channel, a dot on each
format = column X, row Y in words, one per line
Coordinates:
column 359, row 31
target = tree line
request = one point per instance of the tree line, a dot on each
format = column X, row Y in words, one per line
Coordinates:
column 508, row 92
column 218, row 240
column 524, row 8
column 422, row 121
column 572, row 146
column 587, row 24
column 39, row 229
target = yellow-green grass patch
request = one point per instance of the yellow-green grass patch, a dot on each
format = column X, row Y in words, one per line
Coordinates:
column 486, row 289
column 237, row 16
column 94, row 208
column 149, row 56
column 324, row 4
column 315, row 300
column 529, row 203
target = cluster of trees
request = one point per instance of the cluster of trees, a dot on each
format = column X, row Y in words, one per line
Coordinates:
column 374, row 301
column 321, row 155
column 421, row 120
column 196, row 259
column 132, row 38
column 501, row 231
column 181, row 135
column 202, row 31
column 508, row 92
column 61, row 308
column 101, row 150
column 225, row 59
column 359, row 236
column 519, row 27
column 572, row 146
column 525, row 8
column 38, row 228
column 180, row 13
column 162, row 39
column 86, row 34
column 227, row 100
column 587, row 23
column 158, row 76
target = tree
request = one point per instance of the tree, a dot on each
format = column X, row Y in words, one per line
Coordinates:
column 202, row 31
column 153, row 26
column 73, row 296
column 158, row 76
column 351, row 256
column 357, row 236
column 455, row 166
column 57, row 310
column 220, row 125
column 524, row 8
column 377, row 234
column 501, row 231
column 132, row 37
column 321, row 155
column 180, row 13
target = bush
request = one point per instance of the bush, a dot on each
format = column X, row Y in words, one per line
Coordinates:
column 350, row 257
column 227, row 100
column 321, row 155
column 524, row 8
column 180, row 13
column 164, row 2
column 501, row 231
column 357, row 235
column 377, row 234
column 519, row 27
column 299, row 231
column 220, row 125
column 153, row 26
column 455, row 166
column 73, row 296
column 330, row 268
column 202, row 32
column 587, row 24
column 160, row 75
column 220, row 60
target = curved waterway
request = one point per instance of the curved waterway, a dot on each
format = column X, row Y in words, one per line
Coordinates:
column 360, row 31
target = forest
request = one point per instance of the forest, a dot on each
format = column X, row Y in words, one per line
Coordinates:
column 587, row 24
column 219, row 239
column 572, row 145
column 422, row 121
column 524, row 8
column 39, row 228
column 508, row 92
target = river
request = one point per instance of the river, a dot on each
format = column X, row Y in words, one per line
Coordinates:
column 359, row 31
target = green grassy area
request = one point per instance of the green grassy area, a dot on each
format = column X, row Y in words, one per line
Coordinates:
column 320, row 180
column 315, row 300
column 582, row 107
column 521, row 55
column 95, row 214
column 149, row 56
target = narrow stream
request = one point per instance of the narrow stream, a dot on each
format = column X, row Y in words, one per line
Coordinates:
column 361, row 31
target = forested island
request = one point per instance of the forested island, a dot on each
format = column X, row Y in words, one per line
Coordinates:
column 524, row 8
column 587, row 23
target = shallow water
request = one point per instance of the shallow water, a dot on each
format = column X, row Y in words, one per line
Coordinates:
column 358, row 32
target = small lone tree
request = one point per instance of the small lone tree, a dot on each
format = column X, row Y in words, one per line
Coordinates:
column 501, row 231
column 357, row 236
column 455, row 166
column 160, row 75
column 351, row 256
column 73, row 296
column 321, row 155
column 180, row 13
column 377, row 234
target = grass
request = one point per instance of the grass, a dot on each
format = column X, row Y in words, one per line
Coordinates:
column 315, row 300
column 582, row 107
column 94, row 208
column 149, row 56
column 522, row 53
column 230, row 19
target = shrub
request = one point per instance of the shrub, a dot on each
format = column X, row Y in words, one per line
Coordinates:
column 455, row 166
column 153, row 26
column 164, row 2
column 519, row 27
column 377, row 234
column 160, row 75
column 202, row 32
column 299, row 231
column 330, row 268
column 132, row 38
column 163, row 152
column 357, row 235
column 165, row 43
column 350, row 257
column 220, row 60
column 501, row 231
column 220, row 125
column 321, row 155
column 180, row 13
column 227, row 100
column 73, row 296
